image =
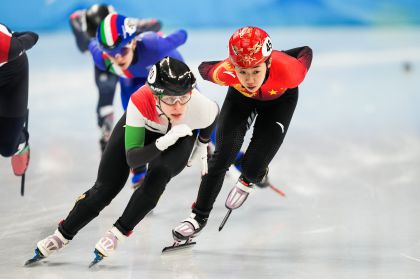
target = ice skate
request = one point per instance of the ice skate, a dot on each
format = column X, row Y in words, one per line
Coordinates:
column 236, row 198
column 238, row 194
column 107, row 245
column 264, row 183
column 184, row 233
column 47, row 246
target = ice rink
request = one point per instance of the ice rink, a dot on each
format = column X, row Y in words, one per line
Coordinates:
column 350, row 168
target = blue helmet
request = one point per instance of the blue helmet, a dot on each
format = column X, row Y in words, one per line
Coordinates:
column 114, row 32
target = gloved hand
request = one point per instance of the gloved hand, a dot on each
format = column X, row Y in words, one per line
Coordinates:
column 200, row 153
column 177, row 131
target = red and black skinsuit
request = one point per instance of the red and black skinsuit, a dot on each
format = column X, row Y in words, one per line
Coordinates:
column 14, row 73
column 274, row 104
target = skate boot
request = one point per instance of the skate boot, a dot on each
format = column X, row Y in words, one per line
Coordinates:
column 20, row 160
column 236, row 197
column 238, row 194
column 189, row 228
column 185, row 232
column 264, row 182
column 107, row 244
column 52, row 243
column 47, row 246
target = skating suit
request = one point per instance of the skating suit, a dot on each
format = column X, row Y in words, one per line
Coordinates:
column 105, row 81
column 151, row 47
column 14, row 73
column 273, row 104
column 133, row 139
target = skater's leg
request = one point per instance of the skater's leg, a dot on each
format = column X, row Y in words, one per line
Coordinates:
column 11, row 135
column 13, row 113
column 128, row 87
column 269, row 131
column 160, row 171
column 112, row 176
column 231, row 129
column 274, row 117
column 106, row 84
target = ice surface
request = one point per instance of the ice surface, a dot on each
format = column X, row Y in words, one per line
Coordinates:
column 349, row 167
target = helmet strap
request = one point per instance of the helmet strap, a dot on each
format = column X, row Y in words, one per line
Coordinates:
column 267, row 73
column 163, row 113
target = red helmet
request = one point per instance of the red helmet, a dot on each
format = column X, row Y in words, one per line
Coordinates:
column 249, row 46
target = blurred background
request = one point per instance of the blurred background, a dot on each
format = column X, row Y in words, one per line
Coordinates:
column 52, row 15
column 349, row 165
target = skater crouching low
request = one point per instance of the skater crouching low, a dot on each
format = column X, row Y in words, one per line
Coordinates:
column 14, row 80
column 166, row 121
column 262, row 82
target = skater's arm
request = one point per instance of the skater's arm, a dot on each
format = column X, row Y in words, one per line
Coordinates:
column 205, row 134
column 289, row 70
column 14, row 44
column 303, row 54
column 137, row 152
column 21, row 41
column 78, row 27
column 172, row 41
column 144, row 25
column 219, row 72
column 205, row 69
column 97, row 55
column 139, row 156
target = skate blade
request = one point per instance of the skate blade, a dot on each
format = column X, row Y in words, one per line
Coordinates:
column 38, row 256
column 98, row 257
column 225, row 219
column 177, row 247
column 33, row 261
column 277, row 190
column 94, row 262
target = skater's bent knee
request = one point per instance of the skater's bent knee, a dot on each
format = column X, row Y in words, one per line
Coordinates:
column 7, row 150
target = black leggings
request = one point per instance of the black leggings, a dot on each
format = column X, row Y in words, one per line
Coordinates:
column 112, row 176
column 106, row 83
column 13, row 104
column 270, row 128
column 12, row 134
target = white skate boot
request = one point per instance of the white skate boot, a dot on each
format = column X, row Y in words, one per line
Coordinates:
column 107, row 244
column 238, row 194
column 185, row 232
column 47, row 246
column 52, row 243
column 236, row 198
